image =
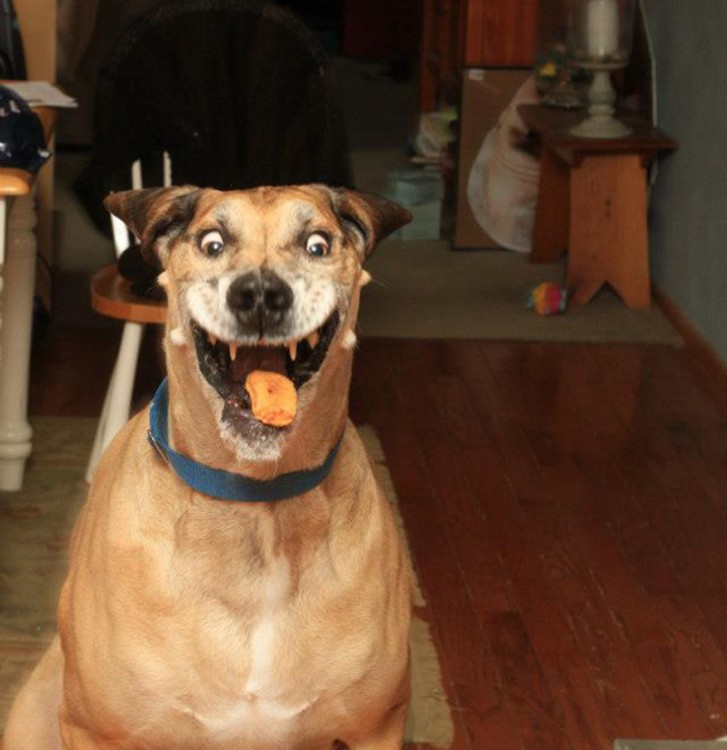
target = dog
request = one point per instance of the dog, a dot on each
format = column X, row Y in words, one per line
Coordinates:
column 192, row 618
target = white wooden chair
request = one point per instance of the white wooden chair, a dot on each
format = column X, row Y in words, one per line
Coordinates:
column 111, row 295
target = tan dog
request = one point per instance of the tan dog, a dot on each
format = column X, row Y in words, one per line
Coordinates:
column 192, row 623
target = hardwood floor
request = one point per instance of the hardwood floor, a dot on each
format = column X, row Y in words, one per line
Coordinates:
column 567, row 507
column 567, row 512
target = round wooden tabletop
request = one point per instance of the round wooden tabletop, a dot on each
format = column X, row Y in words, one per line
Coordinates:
column 111, row 295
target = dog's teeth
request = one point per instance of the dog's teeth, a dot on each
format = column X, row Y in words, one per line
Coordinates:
column 313, row 339
column 349, row 340
column 176, row 336
column 212, row 339
column 293, row 349
column 365, row 278
column 233, row 350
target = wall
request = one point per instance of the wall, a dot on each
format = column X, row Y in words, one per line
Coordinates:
column 689, row 203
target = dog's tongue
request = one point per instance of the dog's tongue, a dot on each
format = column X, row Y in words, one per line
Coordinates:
column 266, row 358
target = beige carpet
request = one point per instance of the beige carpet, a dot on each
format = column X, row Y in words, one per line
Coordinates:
column 423, row 289
column 34, row 531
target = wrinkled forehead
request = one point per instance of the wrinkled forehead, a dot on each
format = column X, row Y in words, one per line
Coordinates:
column 277, row 214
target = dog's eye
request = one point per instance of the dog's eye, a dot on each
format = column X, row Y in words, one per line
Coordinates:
column 212, row 243
column 317, row 245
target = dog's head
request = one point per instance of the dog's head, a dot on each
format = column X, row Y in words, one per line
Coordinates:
column 265, row 279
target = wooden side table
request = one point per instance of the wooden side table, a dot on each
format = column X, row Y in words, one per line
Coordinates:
column 592, row 201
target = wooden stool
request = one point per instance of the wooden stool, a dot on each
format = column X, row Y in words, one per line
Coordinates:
column 592, row 201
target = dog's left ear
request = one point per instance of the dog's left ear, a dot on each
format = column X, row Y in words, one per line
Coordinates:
column 372, row 216
column 154, row 215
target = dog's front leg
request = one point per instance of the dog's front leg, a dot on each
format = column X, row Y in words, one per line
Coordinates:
column 77, row 738
column 33, row 720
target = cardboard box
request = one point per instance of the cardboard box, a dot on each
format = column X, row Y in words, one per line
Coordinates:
column 485, row 94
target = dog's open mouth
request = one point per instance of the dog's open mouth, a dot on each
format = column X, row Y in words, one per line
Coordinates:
column 226, row 365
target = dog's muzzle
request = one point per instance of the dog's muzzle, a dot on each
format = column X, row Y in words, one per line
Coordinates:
column 262, row 304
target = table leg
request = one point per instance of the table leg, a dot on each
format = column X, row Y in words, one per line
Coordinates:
column 16, row 310
column 550, row 233
column 608, row 235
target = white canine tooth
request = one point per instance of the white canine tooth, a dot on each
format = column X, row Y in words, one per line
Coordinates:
column 176, row 336
column 349, row 340
column 233, row 350
column 293, row 349
column 365, row 278
column 211, row 338
column 313, row 339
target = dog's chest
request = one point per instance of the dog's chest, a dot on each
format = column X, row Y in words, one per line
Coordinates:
column 277, row 648
column 262, row 699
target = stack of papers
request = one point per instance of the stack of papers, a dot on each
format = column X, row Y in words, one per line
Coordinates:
column 41, row 94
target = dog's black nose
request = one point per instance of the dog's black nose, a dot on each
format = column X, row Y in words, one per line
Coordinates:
column 260, row 298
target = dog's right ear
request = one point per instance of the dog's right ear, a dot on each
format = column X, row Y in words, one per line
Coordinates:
column 155, row 215
column 374, row 216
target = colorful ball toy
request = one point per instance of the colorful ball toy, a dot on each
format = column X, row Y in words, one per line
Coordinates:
column 548, row 299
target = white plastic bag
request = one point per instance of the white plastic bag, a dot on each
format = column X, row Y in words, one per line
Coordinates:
column 502, row 188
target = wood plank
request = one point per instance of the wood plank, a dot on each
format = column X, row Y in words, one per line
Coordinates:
column 697, row 654
column 610, row 245
column 522, row 546
column 539, row 717
column 616, row 584
column 621, row 510
column 500, row 33
column 474, row 678
column 472, row 682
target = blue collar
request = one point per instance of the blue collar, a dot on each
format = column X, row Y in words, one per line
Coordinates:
column 225, row 485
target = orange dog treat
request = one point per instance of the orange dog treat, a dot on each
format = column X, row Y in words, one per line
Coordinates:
column 272, row 397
